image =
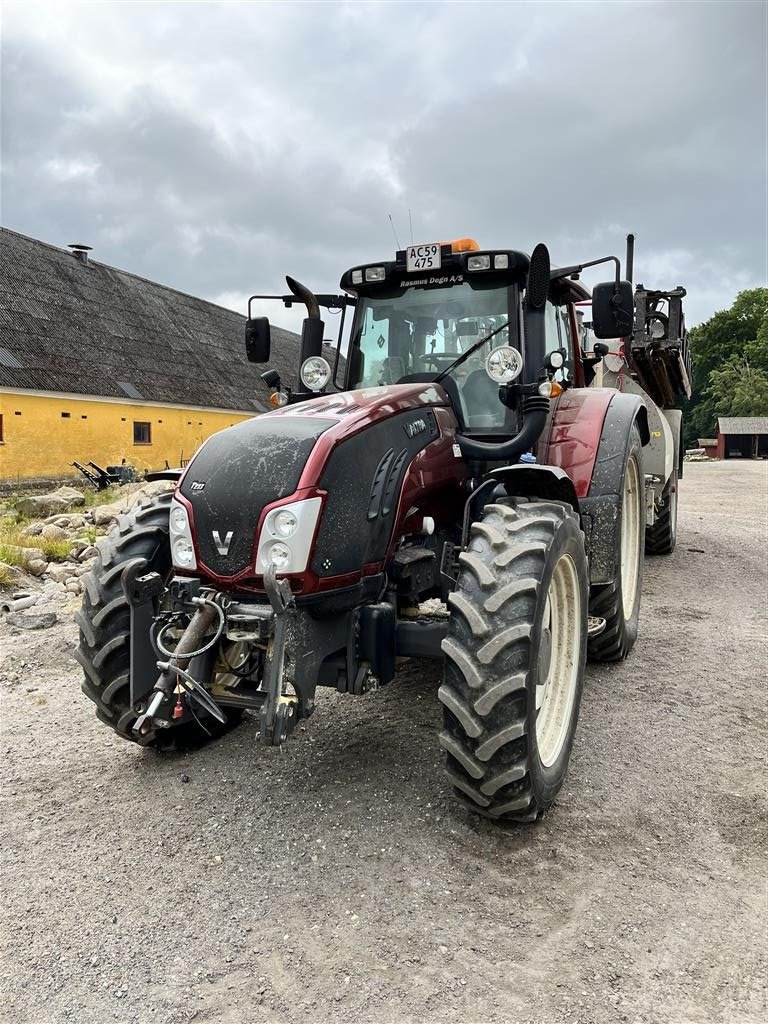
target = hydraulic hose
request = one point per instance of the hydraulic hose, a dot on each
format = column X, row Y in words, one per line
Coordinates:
column 535, row 409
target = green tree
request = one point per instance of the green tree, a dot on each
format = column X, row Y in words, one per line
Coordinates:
column 733, row 337
column 738, row 389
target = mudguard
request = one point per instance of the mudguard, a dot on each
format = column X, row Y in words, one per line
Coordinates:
column 574, row 434
column 601, row 505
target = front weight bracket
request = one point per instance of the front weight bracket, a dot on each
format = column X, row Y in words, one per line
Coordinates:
column 141, row 589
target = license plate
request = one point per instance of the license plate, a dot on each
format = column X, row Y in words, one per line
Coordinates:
column 422, row 257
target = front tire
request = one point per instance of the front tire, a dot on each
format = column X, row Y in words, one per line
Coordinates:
column 105, row 624
column 515, row 654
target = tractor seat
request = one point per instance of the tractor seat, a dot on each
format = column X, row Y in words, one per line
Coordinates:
column 479, row 391
column 448, row 384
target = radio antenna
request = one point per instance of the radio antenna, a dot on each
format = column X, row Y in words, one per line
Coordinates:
column 410, row 223
column 392, row 223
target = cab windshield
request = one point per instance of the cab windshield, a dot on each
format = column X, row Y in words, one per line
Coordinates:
column 421, row 331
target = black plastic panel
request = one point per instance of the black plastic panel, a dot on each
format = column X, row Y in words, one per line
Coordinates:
column 350, row 535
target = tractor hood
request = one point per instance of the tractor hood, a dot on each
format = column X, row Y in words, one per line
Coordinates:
column 351, row 449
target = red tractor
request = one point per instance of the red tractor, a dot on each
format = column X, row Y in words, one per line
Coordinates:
column 450, row 489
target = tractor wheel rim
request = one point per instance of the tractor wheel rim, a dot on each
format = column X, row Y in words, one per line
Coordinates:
column 555, row 696
column 630, row 538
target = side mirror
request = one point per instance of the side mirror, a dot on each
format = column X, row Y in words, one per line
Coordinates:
column 600, row 350
column 257, row 339
column 613, row 309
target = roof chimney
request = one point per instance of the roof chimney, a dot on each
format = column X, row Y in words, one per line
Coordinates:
column 80, row 251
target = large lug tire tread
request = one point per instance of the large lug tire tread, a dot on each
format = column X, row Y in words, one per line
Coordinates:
column 605, row 600
column 660, row 538
column 488, row 693
column 104, row 621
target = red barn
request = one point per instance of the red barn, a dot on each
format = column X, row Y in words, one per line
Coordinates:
column 742, row 437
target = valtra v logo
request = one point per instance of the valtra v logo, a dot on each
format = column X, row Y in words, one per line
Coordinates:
column 222, row 546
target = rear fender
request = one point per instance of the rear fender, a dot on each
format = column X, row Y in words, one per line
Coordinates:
column 574, row 434
column 600, row 508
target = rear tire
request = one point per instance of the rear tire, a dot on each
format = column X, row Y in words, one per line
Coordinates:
column 515, row 654
column 660, row 539
column 619, row 602
column 105, row 622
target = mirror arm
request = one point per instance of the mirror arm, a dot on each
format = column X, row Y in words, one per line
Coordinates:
column 561, row 272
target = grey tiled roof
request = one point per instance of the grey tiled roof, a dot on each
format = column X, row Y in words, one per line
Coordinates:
column 88, row 328
column 743, row 424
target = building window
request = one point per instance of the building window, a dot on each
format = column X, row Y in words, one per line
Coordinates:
column 17, row 413
column 83, row 417
column 1, row 428
column 65, row 415
column 142, row 433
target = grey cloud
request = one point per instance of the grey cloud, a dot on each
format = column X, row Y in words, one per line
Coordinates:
column 310, row 123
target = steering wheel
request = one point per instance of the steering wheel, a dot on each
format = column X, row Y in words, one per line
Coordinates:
column 435, row 360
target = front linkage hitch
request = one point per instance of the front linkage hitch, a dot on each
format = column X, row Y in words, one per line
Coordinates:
column 194, row 653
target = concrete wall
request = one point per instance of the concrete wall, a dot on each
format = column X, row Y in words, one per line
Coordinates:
column 38, row 441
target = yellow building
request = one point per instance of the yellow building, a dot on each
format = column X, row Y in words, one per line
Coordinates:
column 100, row 365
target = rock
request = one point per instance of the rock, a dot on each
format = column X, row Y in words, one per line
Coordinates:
column 41, row 505
column 74, row 586
column 51, row 532
column 53, row 587
column 78, row 547
column 31, row 619
column 88, row 554
column 103, row 515
column 10, row 570
column 66, row 522
column 55, row 503
column 72, row 495
column 37, row 566
column 32, row 530
column 61, row 572
column 26, row 555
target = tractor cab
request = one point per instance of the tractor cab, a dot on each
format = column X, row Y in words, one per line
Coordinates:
column 414, row 323
column 496, row 329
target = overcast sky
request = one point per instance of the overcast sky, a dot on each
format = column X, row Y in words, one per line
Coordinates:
column 217, row 147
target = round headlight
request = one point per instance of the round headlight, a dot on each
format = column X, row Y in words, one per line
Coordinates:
column 504, row 364
column 285, row 523
column 178, row 518
column 279, row 555
column 556, row 360
column 183, row 552
column 315, row 373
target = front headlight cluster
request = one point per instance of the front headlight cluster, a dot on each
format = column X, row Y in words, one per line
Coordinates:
column 182, row 546
column 286, row 536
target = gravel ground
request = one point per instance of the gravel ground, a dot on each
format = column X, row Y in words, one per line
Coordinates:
column 338, row 881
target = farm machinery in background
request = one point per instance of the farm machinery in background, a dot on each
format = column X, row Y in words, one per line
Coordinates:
column 455, row 453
